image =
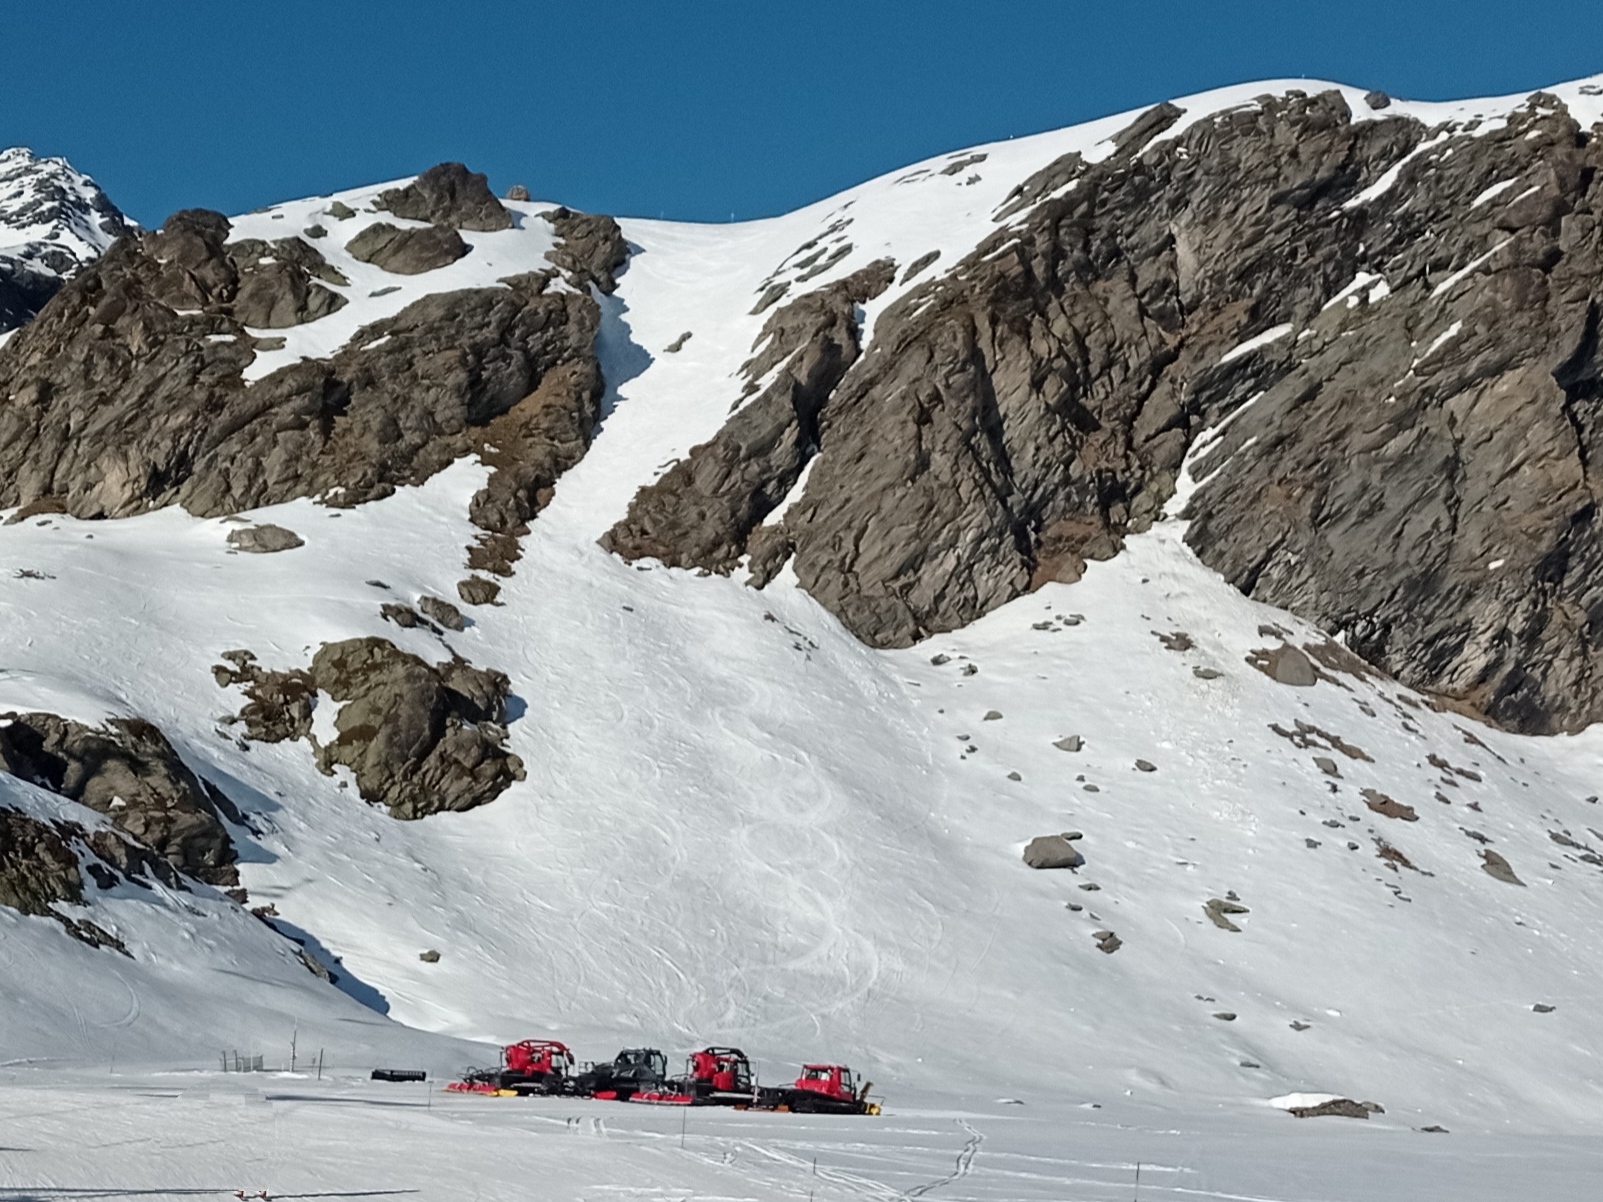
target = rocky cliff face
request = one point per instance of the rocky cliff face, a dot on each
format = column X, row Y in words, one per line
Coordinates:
column 1377, row 339
column 53, row 222
column 1399, row 323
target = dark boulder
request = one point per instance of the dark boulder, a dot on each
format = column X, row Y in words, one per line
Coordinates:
column 264, row 539
column 591, row 249
column 407, row 251
column 1052, row 851
column 448, row 195
column 419, row 738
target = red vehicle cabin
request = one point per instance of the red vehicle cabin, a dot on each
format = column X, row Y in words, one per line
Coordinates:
column 539, row 1058
column 832, row 1080
column 723, row 1070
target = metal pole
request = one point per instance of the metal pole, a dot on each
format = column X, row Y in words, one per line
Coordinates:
column 684, row 1121
column 1138, row 1181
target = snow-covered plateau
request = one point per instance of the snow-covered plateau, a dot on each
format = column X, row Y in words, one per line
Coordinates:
column 740, row 824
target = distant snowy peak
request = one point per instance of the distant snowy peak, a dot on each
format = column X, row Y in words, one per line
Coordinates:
column 53, row 221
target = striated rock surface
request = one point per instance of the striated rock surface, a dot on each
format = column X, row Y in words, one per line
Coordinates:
column 420, row 739
column 1400, row 322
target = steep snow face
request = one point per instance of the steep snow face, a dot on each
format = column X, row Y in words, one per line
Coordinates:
column 741, row 825
column 53, row 220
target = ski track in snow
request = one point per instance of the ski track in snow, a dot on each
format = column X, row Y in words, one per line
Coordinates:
column 740, row 825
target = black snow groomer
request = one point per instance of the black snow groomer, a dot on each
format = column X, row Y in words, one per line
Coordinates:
column 632, row 1071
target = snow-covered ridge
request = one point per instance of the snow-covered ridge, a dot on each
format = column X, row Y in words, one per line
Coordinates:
column 51, row 216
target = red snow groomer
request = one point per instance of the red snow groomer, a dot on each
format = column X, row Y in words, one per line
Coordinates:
column 713, row 1077
column 530, row 1068
column 821, row 1089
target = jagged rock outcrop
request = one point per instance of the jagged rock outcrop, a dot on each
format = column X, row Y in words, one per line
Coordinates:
column 128, row 771
column 419, row 738
column 1412, row 314
column 37, row 866
column 122, row 397
column 53, row 222
column 40, row 871
column 448, row 195
column 704, row 510
column 592, row 248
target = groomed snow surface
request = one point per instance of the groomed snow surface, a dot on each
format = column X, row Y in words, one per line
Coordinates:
column 742, row 826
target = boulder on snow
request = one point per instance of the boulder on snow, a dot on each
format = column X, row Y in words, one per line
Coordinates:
column 1498, row 868
column 1344, row 1108
column 476, row 590
column 448, row 195
column 1052, row 851
column 443, row 612
column 407, row 252
column 429, row 957
column 419, row 738
column 264, row 540
column 1069, row 743
column 1218, row 909
column 1285, row 665
column 1388, row 807
column 402, row 615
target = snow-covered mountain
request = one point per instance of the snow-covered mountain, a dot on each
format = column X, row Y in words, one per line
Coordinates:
column 676, row 634
column 53, row 221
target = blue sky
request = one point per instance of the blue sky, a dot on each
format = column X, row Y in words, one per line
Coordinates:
column 695, row 110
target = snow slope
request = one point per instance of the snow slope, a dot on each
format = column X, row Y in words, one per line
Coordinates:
column 740, row 825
